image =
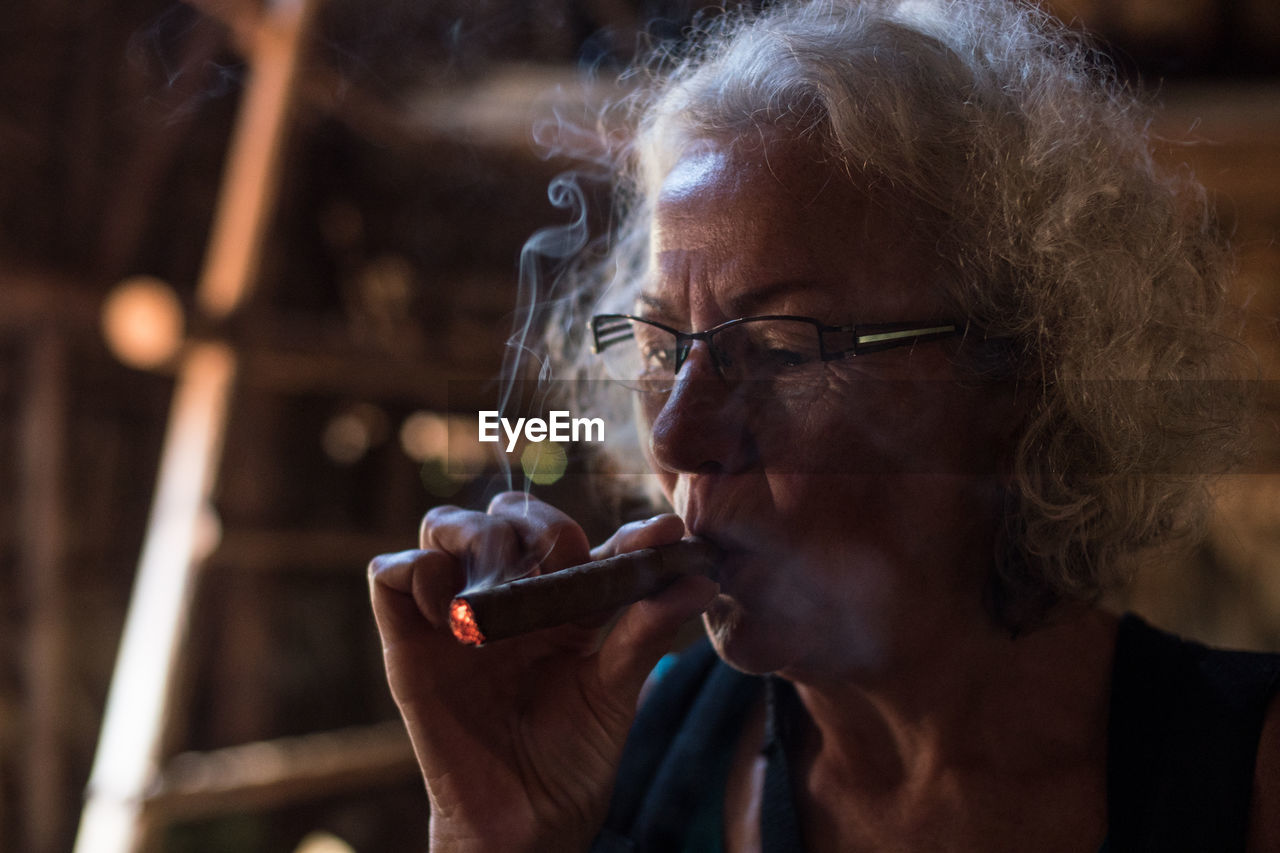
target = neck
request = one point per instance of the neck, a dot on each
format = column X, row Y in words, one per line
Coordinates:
column 972, row 700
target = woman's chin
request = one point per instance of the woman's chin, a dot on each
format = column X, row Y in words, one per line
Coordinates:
column 758, row 642
column 742, row 642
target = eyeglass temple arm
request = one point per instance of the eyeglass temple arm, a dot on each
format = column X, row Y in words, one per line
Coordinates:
column 874, row 338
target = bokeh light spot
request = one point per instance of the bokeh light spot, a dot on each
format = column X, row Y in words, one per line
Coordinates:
column 142, row 322
column 544, row 462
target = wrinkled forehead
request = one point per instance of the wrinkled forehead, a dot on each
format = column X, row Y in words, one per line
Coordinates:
column 772, row 164
column 704, row 168
column 773, row 208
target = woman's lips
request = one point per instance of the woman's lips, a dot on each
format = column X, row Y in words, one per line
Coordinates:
column 729, row 534
column 725, row 512
column 732, row 557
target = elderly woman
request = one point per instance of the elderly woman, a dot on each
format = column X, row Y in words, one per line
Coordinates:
column 915, row 334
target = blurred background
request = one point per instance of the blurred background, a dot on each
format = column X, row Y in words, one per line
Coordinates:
column 244, row 248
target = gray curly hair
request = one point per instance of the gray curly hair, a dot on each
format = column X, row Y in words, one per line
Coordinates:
column 1097, row 279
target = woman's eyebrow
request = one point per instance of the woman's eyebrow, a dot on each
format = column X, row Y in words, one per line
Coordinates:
column 756, row 300
column 656, row 304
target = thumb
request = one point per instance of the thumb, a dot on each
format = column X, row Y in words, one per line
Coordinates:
column 644, row 632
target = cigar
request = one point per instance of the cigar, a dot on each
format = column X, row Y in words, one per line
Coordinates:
column 543, row 601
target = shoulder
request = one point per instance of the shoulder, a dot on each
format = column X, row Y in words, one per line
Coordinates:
column 1188, row 726
column 1264, row 821
column 1170, row 670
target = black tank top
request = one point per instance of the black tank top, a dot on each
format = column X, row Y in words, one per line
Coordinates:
column 1182, row 743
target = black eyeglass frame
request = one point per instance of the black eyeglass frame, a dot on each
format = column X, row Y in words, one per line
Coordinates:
column 866, row 337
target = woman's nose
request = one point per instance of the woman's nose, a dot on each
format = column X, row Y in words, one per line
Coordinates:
column 701, row 426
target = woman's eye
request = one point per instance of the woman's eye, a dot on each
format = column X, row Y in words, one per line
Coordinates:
column 782, row 357
column 658, row 357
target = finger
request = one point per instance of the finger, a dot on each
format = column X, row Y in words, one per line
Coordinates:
column 411, row 587
column 488, row 547
column 660, row 530
column 549, row 537
column 410, row 592
column 645, row 631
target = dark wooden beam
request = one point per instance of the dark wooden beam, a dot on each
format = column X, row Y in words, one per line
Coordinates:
column 256, row 776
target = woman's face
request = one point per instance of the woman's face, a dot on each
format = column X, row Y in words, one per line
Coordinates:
column 857, row 511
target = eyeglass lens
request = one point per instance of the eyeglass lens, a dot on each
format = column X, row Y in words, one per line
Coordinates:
column 765, row 350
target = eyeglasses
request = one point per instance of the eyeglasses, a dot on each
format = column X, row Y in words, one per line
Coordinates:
column 775, row 348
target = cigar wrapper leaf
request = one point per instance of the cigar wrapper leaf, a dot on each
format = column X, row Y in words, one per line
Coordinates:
column 544, row 601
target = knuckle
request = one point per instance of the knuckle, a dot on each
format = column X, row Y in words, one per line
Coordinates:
column 563, row 538
column 382, row 562
column 557, row 530
column 439, row 518
column 437, row 514
column 379, row 563
column 510, row 500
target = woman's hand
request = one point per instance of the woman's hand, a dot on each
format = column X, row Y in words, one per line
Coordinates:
column 518, row 741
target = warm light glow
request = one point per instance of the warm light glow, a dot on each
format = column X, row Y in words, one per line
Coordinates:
column 142, row 322
column 180, row 531
column 346, row 439
column 425, row 435
column 323, row 842
column 544, row 462
column 351, row 433
column 467, row 456
column 462, row 622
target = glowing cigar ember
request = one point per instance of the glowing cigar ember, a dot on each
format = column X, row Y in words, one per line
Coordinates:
column 462, row 622
column 543, row 601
